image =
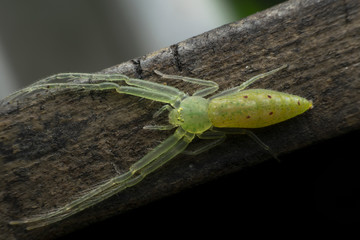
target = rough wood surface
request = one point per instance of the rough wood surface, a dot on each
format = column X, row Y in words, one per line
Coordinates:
column 55, row 144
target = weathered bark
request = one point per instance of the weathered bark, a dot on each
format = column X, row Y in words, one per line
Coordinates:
column 55, row 144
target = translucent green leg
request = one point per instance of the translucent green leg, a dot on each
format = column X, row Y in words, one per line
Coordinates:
column 248, row 82
column 164, row 152
column 138, row 87
column 92, row 77
column 211, row 86
column 98, row 78
column 178, row 148
column 161, row 110
column 160, row 127
column 34, row 87
column 142, row 170
column 136, row 91
column 218, row 137
column 251, row 135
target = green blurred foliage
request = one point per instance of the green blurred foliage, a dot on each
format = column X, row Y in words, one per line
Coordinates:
column 243, row 8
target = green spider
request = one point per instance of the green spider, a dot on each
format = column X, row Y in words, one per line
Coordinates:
column 206, row 118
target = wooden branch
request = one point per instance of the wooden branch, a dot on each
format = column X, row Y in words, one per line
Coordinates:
column 55, row 144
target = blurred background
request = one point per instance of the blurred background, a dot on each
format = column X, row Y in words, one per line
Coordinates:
column 40, row 37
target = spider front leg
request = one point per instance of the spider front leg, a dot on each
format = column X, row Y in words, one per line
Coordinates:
column 47, row 86
column 211, row 86
column 92, row 77
column 95, row 78
column 138, row 87
column 247, row 83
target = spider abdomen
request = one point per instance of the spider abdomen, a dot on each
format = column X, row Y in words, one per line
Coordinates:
column 255, row 108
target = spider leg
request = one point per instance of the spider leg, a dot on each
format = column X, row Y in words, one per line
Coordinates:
column 217, row 137
column 159, row 127
column 99, row 77
column 247, row 83
column 48, row 82
column 164, row 152
column 137, row 87
column 211, row 86
column 92, row 77
column 156, row 95
column 161, row 110
column 120, row 184
column 176, row 149
column 251, row 135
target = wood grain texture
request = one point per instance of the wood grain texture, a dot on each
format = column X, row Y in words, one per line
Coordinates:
column 55, row 144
